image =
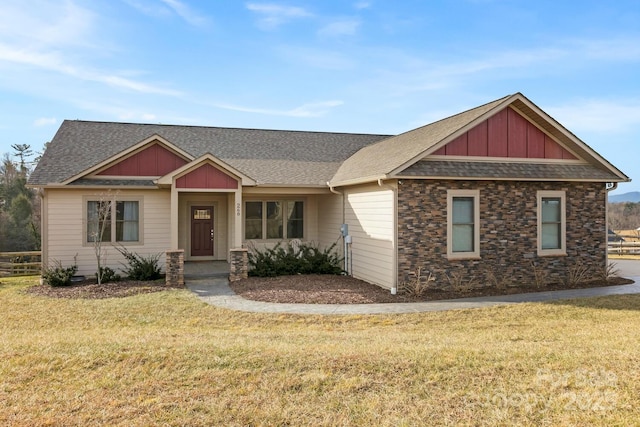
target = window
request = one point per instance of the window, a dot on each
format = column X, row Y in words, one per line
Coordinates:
column 551, row 223
column 115, row 221
column 253, row 220
column 463, row 220
column 278, row 219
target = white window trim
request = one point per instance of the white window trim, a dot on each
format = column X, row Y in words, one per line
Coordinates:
column 563, row 222
column 140, row 200
column 475, row 254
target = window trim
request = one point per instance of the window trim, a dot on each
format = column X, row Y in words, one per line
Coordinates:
column 557, row 194
column 114, row 200
column 283, row 202
column 475, row 194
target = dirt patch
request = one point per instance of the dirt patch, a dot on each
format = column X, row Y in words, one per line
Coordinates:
column 300, row 289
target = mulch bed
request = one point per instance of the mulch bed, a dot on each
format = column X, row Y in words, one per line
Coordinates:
column 327, row 289
column 305, row 289
column 88, row 289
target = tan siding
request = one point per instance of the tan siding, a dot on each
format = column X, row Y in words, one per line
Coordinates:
column 329, row 221
column 66, row 228
column 369, row 212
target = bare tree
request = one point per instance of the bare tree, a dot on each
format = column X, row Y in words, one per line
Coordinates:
column 99, row 228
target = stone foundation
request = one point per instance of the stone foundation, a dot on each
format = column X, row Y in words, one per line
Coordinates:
column 508, row 233
column 239, row 265
column 175, row 268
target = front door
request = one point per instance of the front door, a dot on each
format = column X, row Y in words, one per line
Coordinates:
column 202, row 231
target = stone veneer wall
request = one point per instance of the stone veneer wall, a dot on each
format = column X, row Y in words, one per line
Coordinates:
column 508, row 232
column 174, row 268
column 239, row 265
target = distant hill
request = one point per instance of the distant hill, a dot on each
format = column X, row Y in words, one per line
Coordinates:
column 633, row 196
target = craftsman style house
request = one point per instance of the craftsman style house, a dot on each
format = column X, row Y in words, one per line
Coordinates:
column 488, row 196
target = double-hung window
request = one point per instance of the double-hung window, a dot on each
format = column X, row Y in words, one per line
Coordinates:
column 113, row 221
column 551, row 223
column 274, row 219
column 463, row 224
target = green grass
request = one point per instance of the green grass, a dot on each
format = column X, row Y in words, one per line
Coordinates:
column 168, row 359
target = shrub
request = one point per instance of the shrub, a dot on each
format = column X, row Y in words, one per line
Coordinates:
column 303, row 259
column 139, row 267
column 418, row 285
column 108, row 275
column 59, row 275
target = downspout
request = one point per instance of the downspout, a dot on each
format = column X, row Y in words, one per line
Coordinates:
column 344, row 241
column 614, row 185
column 394, row 189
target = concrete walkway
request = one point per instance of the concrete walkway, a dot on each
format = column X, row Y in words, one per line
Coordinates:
column 216, row 291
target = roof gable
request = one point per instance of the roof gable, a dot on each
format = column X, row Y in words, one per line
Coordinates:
column 390, row 157
column 506, row 134
column 207, row 176
column 152, row 160
column 206, row 171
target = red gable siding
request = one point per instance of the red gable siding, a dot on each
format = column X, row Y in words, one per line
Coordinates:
column 206, row 176
column 152, row 161
column 506, row 134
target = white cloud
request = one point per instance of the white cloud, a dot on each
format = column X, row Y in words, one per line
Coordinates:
column 45, row 23
column 185, row 12
column 166, row 8
column 45, row 121
column 273, row 15
column 316, row 109
column 362, row 5
column 346, row 27
column 55, row 61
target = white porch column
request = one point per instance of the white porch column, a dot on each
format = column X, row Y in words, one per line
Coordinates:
column 237, row 223
column 174, row 217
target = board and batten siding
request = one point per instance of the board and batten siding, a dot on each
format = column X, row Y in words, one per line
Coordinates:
column 370, row 214
column 65, row 229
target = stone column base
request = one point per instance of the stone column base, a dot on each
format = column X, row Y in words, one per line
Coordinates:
column 239, row 265
column 175, row 268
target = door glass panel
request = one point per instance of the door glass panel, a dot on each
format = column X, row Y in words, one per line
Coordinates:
column 202, row 214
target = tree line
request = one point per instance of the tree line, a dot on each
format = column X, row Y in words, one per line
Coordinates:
column 624, row 216
column 19, row 205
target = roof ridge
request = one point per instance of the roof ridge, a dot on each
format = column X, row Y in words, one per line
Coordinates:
column 225, row 128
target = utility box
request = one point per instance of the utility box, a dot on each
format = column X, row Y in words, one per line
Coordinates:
column 344, row 229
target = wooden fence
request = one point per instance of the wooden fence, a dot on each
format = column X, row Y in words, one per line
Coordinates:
column 20, row 263
column 624, row 248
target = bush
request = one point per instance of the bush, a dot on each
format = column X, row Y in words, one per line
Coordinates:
column 59, row 275
column 108, row 275
column 139, row 267
column 305, row 259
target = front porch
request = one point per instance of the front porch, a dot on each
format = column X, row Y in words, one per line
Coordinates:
column 205, row 269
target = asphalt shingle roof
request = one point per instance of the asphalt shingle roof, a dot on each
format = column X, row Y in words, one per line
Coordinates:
column 381, row 158
column 298, row 158
column 268, row 156
column 528, row 171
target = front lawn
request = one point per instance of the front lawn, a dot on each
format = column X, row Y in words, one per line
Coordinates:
column 165, row 358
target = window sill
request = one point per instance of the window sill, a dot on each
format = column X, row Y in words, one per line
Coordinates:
column 463, row 256
column 552, row 253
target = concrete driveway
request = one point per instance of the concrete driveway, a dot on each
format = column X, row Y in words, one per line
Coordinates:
column 627, row 268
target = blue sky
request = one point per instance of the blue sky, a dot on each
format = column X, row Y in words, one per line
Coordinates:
column 344, row 66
